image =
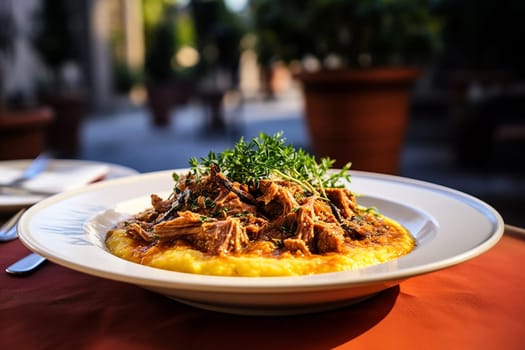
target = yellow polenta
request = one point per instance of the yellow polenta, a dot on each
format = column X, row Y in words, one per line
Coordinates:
column 182, row 258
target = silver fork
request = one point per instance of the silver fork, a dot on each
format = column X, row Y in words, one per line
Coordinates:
column 25, row 265
column 8, row 230
column 28, row 263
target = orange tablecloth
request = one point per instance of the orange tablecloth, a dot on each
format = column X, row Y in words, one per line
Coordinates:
column 479, row 304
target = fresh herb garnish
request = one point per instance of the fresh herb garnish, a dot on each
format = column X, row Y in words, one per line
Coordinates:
column 269, row 157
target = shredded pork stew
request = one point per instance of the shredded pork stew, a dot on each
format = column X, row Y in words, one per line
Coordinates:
column 219, row 217
column 262, row 208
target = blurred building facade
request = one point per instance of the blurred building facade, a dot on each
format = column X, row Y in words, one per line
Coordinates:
column 99, row 29
column 474, row 83
column 109, row 43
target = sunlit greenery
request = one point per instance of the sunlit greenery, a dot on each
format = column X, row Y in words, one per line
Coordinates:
column 168, row 27
column 358, row 33
column 180, row 35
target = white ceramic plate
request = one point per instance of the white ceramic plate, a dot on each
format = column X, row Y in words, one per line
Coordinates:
column 10, row 203
column 450, row 227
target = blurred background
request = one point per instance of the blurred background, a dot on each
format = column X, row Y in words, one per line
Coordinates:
column 428, row 89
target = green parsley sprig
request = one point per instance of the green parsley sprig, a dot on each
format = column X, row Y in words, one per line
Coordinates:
column 269, row 157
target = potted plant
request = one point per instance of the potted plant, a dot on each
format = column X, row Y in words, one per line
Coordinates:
column 359, row 60
column 22, row 131
column 218, row 35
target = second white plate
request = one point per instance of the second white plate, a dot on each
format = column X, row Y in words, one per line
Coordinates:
column 11, row 203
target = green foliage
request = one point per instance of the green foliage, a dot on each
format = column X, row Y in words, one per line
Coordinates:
column 159, row 56
column 152, row 12
column 206, row 25
column 385, row 32
column 54, row 38
column 270, row 157
column 166, row 29
column 219, row 32
column 185, row 30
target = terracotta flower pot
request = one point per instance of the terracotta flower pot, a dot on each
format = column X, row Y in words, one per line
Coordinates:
column 359, row 116
column 163, row 97
column 64, row 132
column 160, row 103
column 23, row 133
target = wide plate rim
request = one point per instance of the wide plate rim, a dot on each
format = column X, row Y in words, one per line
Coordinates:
column 151, row 277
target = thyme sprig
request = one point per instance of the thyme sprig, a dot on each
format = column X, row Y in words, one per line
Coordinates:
column 269, row 157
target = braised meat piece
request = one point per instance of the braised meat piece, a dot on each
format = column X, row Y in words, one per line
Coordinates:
column 217, row 216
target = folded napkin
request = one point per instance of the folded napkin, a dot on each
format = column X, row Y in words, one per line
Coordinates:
column 58, row 178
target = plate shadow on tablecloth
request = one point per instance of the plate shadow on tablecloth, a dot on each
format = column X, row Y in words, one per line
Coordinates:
column 321, row 330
